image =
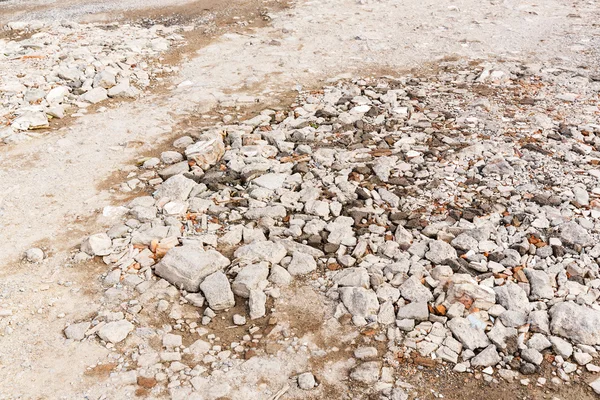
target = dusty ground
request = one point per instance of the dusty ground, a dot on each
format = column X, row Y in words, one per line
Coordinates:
column 55, row 186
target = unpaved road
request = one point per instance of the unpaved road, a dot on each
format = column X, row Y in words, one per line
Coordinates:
column 54, row 186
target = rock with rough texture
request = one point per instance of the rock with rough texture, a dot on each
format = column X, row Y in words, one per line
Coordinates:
column 77, row 331
column 578, row 323
column 487, row 358
column 217, row 291
column 249, row 278
column 359, row 301
column 186, row 267
column 440, row 251
column 177, row 187
column 541, row 287
column 96, row 95
column 470, row 336
column 97, row 245
column 574, row 234
column 34, row 255
column 306, row 381
column 413, row 290
column 116, row 331
column 417, row 311
column 301, row 264
column 497, row 166
column 261, row 251
column 206, row 153
column 463, row 286
column 512, row 297
column 366, row 372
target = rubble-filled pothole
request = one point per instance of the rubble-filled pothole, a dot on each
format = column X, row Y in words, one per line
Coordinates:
column 445, row 220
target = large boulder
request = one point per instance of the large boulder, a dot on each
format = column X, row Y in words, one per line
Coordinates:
column 187, row 266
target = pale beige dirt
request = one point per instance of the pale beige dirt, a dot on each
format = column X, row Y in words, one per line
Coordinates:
column 54, row 187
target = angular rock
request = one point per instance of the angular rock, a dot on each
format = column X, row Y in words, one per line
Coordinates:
column 470, row 336
column 177, row 187
column 116, row 331
column 541, row 287
column 206, row 153
column 487, row 358
column 359, row 301
column 577, row 323
column 250, row 278
column 366, row 372
column 440, row 251
column 301, row 264
column 186, row 267
column 261, row 251
column 413, row 290
column 217, row 291
column 417, row 311
column 99, row 244
column 574, row 234
column 77, row 331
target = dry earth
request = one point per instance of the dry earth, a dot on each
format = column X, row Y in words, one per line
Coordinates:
column 252, row 54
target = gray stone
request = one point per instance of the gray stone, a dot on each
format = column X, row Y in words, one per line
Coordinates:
column 34, row 255
column 280, row 276
column 465, row 242
column 171, row 157
column 417, row 310
column 207, row 152
column 504, row 338
column 577, row 323
column 440, row 251
column 357, row 277
column 574, row 234
column 249, row 278
column 217, row 291
column 513, row 319
column 186, row 267
column 173, row 170
column 77, row 331
column 561, row 347
column 497, row 166
column 257, row 304
column 512, row 297
column 595, row 385
column 541, row 287
column 306, row 381
column 582, row 358
column 96, row 95
column 177, row 187
column 97, row 245
column 538, row 342
column 533, row 356
column 359, row 301
column 470, row 336
column 116, row 331
column 414, row 291
column 487, row 358
column 271, row 181
column 261, row 251
column 301, row 264
column 539, row 322
column 366, row 372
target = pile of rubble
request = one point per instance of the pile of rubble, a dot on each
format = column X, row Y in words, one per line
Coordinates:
column 62, row 68
column 455, row 215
